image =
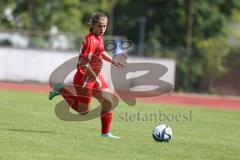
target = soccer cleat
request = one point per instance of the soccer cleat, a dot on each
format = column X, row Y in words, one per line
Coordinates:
column 55, row 91
column 109, row 135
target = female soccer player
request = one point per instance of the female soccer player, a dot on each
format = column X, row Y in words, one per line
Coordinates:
column 88, row 80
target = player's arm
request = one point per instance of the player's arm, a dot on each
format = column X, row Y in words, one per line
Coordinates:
column 108, row 58
column 90, row 72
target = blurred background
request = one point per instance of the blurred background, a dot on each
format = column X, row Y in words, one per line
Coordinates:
column 202, row 37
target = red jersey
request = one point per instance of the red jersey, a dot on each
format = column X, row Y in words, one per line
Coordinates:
column 91, row 52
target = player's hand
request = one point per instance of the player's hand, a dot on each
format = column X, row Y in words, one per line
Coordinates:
column 99, row 82
column 119, row 64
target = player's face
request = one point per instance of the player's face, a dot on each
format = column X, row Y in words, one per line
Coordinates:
column 100, row 27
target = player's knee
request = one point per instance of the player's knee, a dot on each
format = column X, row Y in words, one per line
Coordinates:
column 83, row 109
column 107, row 105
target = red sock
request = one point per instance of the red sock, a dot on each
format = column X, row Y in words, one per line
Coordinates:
column 106, row 119
column 70, row 98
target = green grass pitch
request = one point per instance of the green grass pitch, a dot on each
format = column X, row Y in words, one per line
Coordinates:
column 29, row 129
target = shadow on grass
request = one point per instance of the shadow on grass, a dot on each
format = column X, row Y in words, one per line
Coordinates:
column 28, row 130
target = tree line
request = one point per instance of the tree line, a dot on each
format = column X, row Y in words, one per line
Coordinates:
column 166, row 30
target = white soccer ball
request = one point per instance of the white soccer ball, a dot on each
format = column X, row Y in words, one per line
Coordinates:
column 162, row 133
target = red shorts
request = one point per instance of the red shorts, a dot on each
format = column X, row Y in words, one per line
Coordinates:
column 86, row 87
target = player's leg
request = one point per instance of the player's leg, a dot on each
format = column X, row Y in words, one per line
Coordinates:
column 69, row 92
column 78, row 78
column 104, row 96
column 70, row 98
column 84, row 96
column 78, row 98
